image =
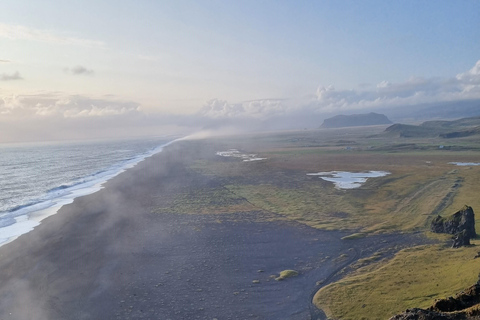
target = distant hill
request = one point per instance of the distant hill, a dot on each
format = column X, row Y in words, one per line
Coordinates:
column 411, row 131
column 355, row 120
column 445, row 129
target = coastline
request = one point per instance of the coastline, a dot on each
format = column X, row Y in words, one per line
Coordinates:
column 29, row 216
column 109, row 255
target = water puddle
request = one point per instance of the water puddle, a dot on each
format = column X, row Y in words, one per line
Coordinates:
column 348, row 180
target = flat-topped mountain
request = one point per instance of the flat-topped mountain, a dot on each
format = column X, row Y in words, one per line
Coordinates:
column 355, row 120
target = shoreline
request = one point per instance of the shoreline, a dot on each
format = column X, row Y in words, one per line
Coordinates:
column 108, row 255
column 32, row 217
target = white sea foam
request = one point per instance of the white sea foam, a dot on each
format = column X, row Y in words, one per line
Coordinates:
column 25, row 218
column 348, row 180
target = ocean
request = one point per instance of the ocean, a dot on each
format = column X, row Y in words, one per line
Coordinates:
column 38, row 179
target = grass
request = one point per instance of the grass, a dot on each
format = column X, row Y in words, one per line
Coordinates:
column 421, row 183
column 217, row 200
column 285, row 274
column 413, row 278
column 402, row 201
column 312, row 205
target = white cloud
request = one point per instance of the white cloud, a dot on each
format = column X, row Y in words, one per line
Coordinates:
column 416, row 90
column 471, row 76
column 59, row 106
column 79, row 70
column 384, row 84
column 322, row 92
column 328, row 100
column 17, row 32
column 260, row 109
column 10, row 77
column 216, row 109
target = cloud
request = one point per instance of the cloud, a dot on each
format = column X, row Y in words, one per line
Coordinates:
column 384, row 84
column 42, row 115
column 56, row 116
column 63, row 106
column 79, row 70
column 10, row 77
column 472, row 76
column 4, row 61
column 217, row 109
column 398, row 99
column 259, row 109
column 17, row 32
column 387, row 95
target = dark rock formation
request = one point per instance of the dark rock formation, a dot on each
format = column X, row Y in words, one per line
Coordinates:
column 464, row 305
column 461, row 224
column 355, row 120
column 461, row 239
column 420, row 314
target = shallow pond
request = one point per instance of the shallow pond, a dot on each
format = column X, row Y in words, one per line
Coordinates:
column 465, row 163
column 348, row 180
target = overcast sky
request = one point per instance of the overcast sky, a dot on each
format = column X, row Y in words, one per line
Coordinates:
column 81, row 69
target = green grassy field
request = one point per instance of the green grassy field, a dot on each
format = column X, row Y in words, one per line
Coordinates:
column 413, row 278
column 421, row 183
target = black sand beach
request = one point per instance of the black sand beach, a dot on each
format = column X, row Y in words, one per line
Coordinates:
column 110, row 256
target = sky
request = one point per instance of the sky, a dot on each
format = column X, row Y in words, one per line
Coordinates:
column 96, row 69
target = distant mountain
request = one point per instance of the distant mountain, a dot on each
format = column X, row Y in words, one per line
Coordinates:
column 411, row 131
column 439, row 110
column 445, row 129
column 355, row 120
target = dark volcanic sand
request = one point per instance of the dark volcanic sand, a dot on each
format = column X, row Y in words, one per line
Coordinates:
column 107, row 256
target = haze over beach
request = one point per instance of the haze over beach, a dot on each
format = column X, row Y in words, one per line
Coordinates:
column 239, row 159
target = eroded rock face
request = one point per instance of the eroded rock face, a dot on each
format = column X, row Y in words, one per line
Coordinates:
column 461, row 224
column 420, row 314
column 461, row 239
column 465, row 306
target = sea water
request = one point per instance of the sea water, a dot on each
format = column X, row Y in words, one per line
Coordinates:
column 37, row 179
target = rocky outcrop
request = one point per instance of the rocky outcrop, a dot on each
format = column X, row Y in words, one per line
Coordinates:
column 461, row 224
column 463, row 306
column 461, row 239
column 420, row 314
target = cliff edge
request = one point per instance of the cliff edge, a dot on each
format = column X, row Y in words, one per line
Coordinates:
column 463, row 306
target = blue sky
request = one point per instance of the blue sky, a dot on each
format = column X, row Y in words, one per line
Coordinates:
column 64, row 59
